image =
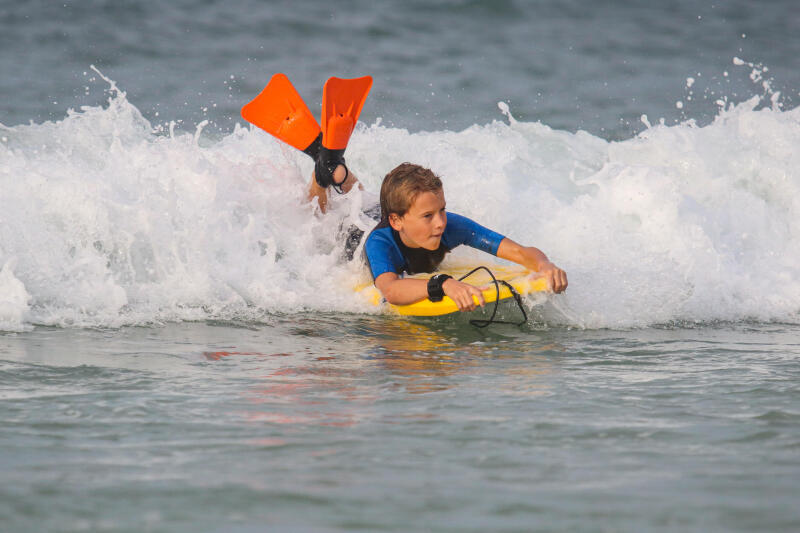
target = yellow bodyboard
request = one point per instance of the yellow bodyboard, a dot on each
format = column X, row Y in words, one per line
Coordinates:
column 523, row 280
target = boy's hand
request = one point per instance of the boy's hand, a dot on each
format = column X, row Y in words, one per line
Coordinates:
column 462, row 294
column 556, row 278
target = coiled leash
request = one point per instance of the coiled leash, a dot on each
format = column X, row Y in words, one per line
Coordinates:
column 481, row 323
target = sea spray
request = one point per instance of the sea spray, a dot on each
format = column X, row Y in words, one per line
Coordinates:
column 693, row 224
column 13, row 300
column 112, row 221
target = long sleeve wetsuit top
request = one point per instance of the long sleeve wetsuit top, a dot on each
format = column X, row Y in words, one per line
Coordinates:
column 386, row 252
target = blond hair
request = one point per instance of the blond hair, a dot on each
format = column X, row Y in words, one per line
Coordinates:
column 403, row 184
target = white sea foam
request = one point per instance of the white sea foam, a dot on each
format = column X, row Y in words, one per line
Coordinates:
column 111, row 221
column 13, row 300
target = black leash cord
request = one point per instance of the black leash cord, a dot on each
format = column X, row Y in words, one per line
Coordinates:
column 480, row 323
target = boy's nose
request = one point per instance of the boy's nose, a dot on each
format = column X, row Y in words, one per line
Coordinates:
column 441, row 221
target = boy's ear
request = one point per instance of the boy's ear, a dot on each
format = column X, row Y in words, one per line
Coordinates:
column 395, row 222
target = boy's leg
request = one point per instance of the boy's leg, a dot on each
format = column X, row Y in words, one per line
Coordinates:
column 321, row 193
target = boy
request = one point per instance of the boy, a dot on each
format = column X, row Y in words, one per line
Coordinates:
column 415, row 233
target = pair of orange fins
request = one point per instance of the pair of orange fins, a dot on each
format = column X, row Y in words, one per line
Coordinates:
column 280, row 111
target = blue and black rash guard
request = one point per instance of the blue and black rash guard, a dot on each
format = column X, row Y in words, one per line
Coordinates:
column 386, row 252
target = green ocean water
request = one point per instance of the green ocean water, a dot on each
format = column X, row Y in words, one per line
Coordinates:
column 329, row 423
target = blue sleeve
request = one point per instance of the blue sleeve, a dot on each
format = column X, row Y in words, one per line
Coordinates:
column 461, row 230
column 382, row 253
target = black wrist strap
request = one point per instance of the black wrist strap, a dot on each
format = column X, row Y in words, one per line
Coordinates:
column 435, row 291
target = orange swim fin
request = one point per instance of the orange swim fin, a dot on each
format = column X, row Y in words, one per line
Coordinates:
column 280, row 111
column 342, row 101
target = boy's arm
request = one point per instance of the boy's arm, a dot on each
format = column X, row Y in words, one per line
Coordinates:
column 399, row 291
column 534, row 259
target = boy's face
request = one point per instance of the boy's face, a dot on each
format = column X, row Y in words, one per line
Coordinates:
column 424, row 222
